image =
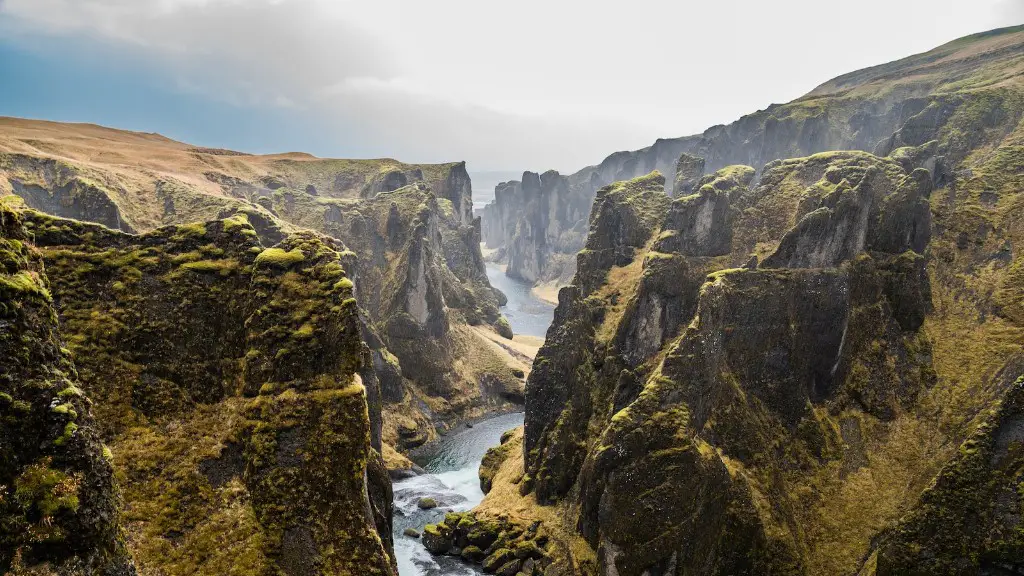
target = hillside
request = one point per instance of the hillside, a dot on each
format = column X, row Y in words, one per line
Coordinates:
column 419, row 273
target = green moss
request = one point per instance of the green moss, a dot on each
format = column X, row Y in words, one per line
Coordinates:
column 239, row 220
column 46, row 490
column 222, row 267
column 71, row 392
column 24, row 283
column 66, row 410
column 344, row 284
column 280, row 257
column 69, row 432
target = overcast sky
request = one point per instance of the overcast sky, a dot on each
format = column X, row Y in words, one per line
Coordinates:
column 532, row 84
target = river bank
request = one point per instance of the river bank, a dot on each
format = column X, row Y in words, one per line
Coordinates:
column 450, row 468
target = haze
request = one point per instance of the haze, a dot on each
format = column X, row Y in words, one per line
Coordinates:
column 506, row 86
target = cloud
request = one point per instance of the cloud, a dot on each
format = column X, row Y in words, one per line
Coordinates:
column 1009, row 13
column 256, row 51
column 533, row 84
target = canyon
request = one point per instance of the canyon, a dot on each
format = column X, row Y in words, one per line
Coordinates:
column 789, row 345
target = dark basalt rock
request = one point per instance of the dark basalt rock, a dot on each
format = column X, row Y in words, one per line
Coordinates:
column 58, row 505
column 689, row 170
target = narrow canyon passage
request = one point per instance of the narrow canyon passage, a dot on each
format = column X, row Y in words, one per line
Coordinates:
column 452, row 463
column 527, row 314
column 451, row 466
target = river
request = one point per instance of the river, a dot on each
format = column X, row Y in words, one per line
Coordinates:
column 451, row 466
column 451, row 463
column 526, row 314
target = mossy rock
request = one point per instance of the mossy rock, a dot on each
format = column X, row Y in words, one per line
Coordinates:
column 498, row 559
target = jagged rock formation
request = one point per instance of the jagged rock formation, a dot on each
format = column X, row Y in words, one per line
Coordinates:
column 772, row 376
column 963, row 90
column 536, row 222
column 58, row 504
column 689, row 170
column 418, row 269
column 225, row 377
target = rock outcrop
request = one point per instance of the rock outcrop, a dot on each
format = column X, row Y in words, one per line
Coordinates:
column 58, row 502
column 759, row 377
column 224, row 376
column 536, row 223
column 689, row 170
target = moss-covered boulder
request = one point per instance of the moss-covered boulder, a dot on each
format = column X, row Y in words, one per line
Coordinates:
column 492, row 460
column 498, row 545
column 437, row 538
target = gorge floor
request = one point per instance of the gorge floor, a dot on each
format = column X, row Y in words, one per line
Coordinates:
column 450, row 478
column 527, row 314
column 451, row 464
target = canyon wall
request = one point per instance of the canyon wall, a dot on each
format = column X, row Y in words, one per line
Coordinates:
column 416, row 261
column 876, row 110
column 231, row 390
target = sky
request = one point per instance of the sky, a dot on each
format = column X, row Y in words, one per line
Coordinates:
column 506, row 86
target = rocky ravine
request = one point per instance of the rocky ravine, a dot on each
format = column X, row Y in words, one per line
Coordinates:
column 415, row 256
column 539, row 223
column 820, row 372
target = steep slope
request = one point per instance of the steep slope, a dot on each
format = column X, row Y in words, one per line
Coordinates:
column 418, row 269
column 58, row 504
column 974, row 81
column 225, row 377
column 799, row 374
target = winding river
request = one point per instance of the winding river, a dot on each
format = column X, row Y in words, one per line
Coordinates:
column 526, row 314
column 451, row 464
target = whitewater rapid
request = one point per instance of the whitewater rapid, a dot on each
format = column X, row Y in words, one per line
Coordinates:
column 451, row 466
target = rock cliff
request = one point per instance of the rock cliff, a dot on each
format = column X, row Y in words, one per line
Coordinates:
column 225, row 379
column 416, row 261
column 883, row 109
column 58, row 501
column 770, row 377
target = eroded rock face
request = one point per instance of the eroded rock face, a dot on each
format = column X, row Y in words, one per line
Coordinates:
column 535, row 221
column 709, row 418
column 62, row 190
column 689, row 170
column 58, row 504
column 933, row 126
column 225, row 376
